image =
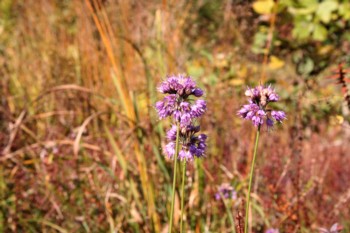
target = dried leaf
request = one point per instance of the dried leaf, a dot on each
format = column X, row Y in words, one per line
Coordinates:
column 275, row 63
column 263, row 6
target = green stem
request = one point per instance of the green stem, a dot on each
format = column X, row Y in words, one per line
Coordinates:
column 250, row 181
column 174, row 176
column 228, row 210
column 182, row 193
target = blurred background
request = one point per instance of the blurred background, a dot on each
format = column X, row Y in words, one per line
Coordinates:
column 81, row 141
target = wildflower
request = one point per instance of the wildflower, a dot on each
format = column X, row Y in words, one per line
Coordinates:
column 183, row 142
column 257, row 111
column 272, row 230
column 226, row 191
column 191, row 145
column 177, row 103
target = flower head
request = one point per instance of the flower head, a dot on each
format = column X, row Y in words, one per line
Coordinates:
column 257, row 111
column 191, row 145
column 226, row 191
column 177, row 103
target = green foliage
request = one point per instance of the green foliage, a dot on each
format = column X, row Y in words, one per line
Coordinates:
column 315, row 25
column 315, row 20
column 311, row 18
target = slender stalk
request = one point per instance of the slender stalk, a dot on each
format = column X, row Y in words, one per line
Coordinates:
column 182, row 193
column 250, row 181
column 174, row 176
column 230, row 217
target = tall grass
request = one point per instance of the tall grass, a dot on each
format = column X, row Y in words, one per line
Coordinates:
column 109, row 40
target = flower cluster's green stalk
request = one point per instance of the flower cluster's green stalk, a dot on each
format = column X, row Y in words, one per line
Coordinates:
column 182, row 194
column 230, row 217
column 250, row 181
column 174, row 176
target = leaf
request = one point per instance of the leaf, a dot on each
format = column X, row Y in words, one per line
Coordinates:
column 324, row 50
column 340, row 119
column 275, row 63
column 302, row 11
column 242, row 72
column 306, row 67
column 237, row 82
column 308, row 3
column 116, row 150
column 286, row 3
column 325, row 9
column 301, row 30
column 308, row 7
column 344, row 10
column 319, row 33
column 263, row 6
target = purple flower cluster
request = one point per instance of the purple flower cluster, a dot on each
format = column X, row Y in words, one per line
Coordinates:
column 226, row 191
column 177, row 103
column 179, row 106
column 256, row 110
column 272, row 230
column 191, row 145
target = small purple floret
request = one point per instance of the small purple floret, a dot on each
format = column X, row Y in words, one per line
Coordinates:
column 198, row 109
column 171, row 134
column 166, row 107
column 269, row 122
column 170, row 149
column 197, row 92
column 278, row 115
